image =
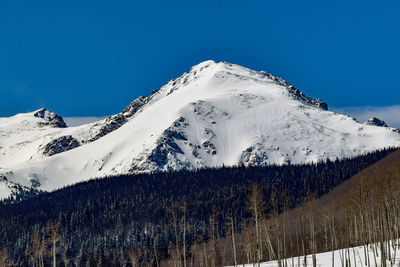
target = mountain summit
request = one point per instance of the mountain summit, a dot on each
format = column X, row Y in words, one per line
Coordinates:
column 216, row 114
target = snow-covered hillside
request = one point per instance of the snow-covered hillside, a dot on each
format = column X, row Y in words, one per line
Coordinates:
column 216, row 114
column 354, row 256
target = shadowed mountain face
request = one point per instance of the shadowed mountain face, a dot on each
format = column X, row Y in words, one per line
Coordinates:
column 216, row 114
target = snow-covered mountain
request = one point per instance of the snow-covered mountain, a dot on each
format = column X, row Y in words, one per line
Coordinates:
column 217, row 114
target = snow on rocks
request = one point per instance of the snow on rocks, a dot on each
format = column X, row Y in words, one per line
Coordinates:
column 216, row 114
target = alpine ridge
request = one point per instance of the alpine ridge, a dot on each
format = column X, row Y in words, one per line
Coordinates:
column 216, row 114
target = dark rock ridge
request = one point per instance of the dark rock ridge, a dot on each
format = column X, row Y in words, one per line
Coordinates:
column 298, row 95
column 375, row 122
column 60, row 144
column 114, row 122
column 111, row 124
column 50, row 118
column 135, row 105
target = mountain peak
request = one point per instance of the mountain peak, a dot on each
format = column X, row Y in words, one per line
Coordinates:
column 50, row 118
column 216, row 114
column 375, row 122
column 215, row 74
column 203, row 65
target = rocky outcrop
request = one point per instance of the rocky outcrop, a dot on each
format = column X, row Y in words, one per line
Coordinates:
column 110, row 124
column 114, row 122
column 134, row 106
column 320, row 104
column 167, row 146
column 60, row 144
column 300, row 96
column 50, row 118
column 375, row 122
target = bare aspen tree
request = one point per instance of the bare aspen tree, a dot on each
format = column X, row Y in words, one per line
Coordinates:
column 277, row 225
column 256, row 203
column 270, row 248
column 155, row 243
column 135, row 256
column 248, row 245
column 303, row 235
column 38, row 248
column 54, row 237
column 202, row 247
column 313, row 242
column 326, row 222
column 173, row 211
column 297, row 244
column 291, row 243
column 232, row 227
column 183, row 208
column 4, row 257
column 215, row 254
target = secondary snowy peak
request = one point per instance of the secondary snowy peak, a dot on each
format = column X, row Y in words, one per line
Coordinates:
column 375, row 122
column 216, row 114
column 50, row 117
column 42, row 133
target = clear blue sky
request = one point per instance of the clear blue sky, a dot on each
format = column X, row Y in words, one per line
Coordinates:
column 91, row 58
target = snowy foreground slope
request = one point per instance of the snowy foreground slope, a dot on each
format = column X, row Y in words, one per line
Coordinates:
column 217, row 114
column 355, row 256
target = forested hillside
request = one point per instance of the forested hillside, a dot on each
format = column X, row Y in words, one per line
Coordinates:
column 152, row 218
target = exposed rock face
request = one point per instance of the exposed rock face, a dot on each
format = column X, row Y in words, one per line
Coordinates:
column 61, row 144
column 51, row 118
column 167, row 146
column 110, row 124
column 259, row 154
column 169, row 154
column 254, row 156
column 209, row 147
column 134, row 106
column 321, row 104
column 298, row 95
column 375, row 122
column 114, row 122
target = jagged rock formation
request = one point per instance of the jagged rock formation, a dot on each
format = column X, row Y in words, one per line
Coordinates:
column 50, row 118
column 60, row 144
column 375, row 122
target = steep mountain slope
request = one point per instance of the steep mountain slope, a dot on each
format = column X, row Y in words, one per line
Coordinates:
column 217, row 114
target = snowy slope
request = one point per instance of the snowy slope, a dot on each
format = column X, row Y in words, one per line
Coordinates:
column 42, row 133
column 355, row 256
column 216, row 114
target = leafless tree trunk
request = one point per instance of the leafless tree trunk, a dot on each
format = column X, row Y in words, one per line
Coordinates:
column 231, row 224
column 4, row 256
column 256, row 203
column 184, row 215
column 173, row 211
column 54, row 238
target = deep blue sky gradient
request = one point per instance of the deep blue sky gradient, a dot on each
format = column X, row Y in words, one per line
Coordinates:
column 91, row 58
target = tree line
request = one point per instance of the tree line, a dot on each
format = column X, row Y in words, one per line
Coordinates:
column 184, row 218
